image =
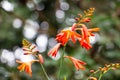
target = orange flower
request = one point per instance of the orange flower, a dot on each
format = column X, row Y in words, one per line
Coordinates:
column 67, row 34
column 85, row 44
column 77, row 63
column 25, row 66
column 86, row 33
column 93, row 30
column 53, row 51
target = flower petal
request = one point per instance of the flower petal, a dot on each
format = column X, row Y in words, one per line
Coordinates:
column 54, row 50
column 77, row 63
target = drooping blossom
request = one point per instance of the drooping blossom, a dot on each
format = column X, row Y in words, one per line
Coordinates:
column 67, row 34
column 86, row 33
column 85, row 44
column 25, row 66
column 77, row 63
column 54, row 50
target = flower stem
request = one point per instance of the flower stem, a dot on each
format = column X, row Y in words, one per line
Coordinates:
column 100, row 76
column 61, row 62
column 44, row 72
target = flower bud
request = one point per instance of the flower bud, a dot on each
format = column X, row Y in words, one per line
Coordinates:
column 92, row 71
column 77, row 19
column 87, row 19
column 41, row 60
column 93, row 78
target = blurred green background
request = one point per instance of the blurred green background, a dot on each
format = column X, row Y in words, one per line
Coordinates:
column 40, row 20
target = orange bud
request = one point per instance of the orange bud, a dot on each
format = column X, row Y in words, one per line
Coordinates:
column 89, row 14
column 87, row 19
column 41, row 60
column 80, row 15
column 117, row 65
column 92, row 71
column 93, row 78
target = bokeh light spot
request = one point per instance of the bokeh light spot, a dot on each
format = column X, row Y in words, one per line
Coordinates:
column 7, row 5
column 60, row 14
column 64, row 5
column 42, row 41
column 44, row 25
column 17, row 23
column 30, row 29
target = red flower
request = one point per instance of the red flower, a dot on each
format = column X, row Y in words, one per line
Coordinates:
column 67, row 34
column 77, row 63
column 25, row 66
column 53, row 51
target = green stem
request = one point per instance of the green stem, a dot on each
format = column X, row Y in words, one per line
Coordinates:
column 44, row 72
column 100, row 76
column 61, row 62
column 92, row 74
column 64, row 77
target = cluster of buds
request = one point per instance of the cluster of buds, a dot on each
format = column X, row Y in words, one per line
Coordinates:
column 29, row 49
column 104, row 69
column 86, row 17
column 110, row 66
column 71, row 34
